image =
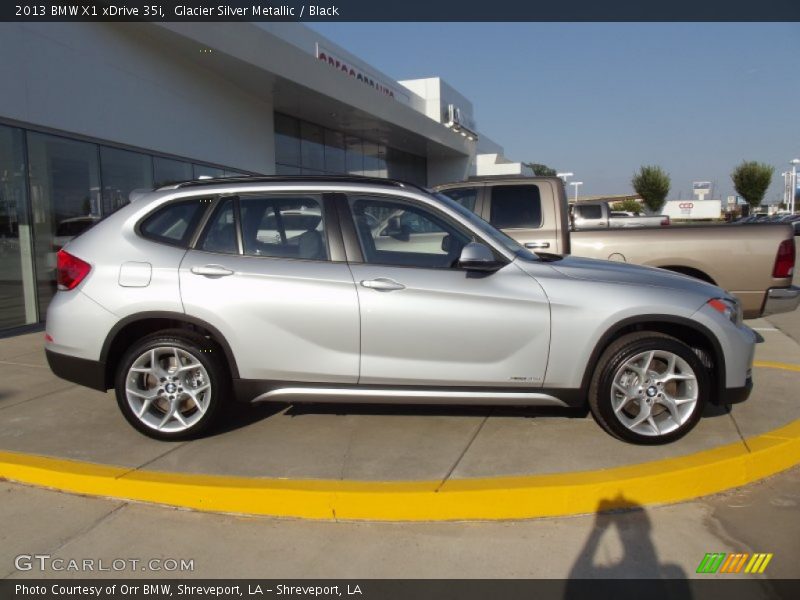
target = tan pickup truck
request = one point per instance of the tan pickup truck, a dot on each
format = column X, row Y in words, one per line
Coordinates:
column 755, row 262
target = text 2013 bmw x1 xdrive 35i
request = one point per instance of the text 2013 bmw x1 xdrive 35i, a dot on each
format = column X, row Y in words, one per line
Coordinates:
column 359, row 290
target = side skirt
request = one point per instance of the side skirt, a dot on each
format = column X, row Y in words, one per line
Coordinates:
column 257, row 391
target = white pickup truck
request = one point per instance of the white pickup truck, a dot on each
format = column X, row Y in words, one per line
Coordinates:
column 598, row 215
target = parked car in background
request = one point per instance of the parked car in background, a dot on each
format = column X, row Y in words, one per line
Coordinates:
column 754, row 262
column 181, row 304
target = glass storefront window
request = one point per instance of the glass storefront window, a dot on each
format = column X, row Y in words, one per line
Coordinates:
column 312, row 146
column 354, row 155
column 287, row 140
column 374, row 160
column 334, row 152
column 204, row 171
column 167, row 171
column 65, row 185
column 122, row 172
column 287, row 170
column 17, row 282
column 305, row 148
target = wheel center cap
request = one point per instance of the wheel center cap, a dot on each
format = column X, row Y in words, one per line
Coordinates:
column 652, row 391
column 171, row 387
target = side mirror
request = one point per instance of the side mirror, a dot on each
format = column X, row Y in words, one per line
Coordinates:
column 478, row 257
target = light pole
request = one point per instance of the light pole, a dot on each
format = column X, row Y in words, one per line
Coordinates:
column 794, row 164
column 576, row 184
column 564, row 176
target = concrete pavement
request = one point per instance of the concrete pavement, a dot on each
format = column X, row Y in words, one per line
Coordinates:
column 649, row 542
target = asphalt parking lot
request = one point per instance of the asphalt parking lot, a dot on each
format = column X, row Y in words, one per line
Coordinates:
column 43, row 415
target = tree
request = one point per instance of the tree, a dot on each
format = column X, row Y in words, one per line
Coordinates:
column 541, row 170
column 751, row 180
column 652, row 184
column 628, row 205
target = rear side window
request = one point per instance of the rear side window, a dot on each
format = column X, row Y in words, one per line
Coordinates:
column 516, row 207
column 284, row 227
column 590, row 211
column 174, row 223
column 466, row 197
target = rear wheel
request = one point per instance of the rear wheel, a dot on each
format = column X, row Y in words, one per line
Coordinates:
column 648, row 388
column 170, row 385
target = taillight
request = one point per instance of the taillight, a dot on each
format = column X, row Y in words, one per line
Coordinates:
column 784, row 261
column 71, row 270
column 665, row 221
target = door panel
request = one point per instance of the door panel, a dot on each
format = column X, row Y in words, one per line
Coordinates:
column 449, row 327
column 287, row 320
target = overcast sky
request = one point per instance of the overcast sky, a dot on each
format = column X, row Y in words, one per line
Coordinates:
column 601, row 99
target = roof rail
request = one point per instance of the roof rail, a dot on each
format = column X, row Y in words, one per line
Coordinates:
column 287, row 179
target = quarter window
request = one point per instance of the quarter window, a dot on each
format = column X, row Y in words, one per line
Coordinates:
column 397, row 233
column 516, row 207
column 174, row 223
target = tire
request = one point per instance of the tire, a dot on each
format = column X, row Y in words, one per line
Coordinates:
column 662, row 409
column 165, row 404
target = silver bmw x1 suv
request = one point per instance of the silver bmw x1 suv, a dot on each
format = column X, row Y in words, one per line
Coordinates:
column 346, row 289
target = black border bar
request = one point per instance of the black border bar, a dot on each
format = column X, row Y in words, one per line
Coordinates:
column 403, row 10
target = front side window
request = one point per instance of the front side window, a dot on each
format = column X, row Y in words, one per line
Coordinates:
column 393, row 232
column 516, row 207
column 174, row 223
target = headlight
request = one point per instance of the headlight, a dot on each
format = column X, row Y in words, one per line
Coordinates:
column 730, row 307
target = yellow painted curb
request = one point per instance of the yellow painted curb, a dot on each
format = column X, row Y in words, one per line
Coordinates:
column 657, row 482
column 776, row 365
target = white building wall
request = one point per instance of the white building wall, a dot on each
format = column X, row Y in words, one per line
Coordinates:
column 108, row 82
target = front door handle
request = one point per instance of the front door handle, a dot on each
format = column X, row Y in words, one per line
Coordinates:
column 382, row 284
column 212, row 271
column 537, row 245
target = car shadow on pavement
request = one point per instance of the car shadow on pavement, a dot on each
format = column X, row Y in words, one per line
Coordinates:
column 600, row 558
column 240, row 415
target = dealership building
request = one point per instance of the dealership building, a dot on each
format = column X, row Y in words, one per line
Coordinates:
column 92, row 111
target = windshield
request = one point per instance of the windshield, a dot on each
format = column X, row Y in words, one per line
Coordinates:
column 484, row 227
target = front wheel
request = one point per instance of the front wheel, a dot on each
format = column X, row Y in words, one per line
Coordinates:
column 169, row 385
column 648, row 388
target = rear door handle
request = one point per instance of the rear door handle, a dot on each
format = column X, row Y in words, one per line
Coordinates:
column 537, row 245
column 212, row 271
column 382, row 284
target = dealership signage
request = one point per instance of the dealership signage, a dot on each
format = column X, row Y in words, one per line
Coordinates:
column 361, row 74
column 701, row 189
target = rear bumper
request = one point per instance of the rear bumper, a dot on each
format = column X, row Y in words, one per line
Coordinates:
column 89, row 373
column 780, row 300
column 737, row 395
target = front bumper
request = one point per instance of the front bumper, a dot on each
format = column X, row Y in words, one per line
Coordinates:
column 737, row 395
column 780, row 300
